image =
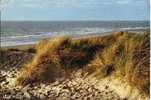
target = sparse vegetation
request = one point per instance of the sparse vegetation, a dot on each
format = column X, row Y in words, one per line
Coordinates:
column 127, row 58
column 123, row 54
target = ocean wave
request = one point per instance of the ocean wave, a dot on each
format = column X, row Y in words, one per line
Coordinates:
column 27, row 36
column 34, row 38
column 133, row 28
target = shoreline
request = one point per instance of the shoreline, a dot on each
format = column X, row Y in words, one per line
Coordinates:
column 32, row 45
column 19, row 47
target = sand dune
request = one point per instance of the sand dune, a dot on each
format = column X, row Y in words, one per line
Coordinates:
column 107, row 67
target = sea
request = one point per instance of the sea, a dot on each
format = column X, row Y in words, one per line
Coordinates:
column 15, row 33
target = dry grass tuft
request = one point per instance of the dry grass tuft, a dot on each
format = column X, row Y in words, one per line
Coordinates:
column 127, row 58
column 57, row 57
column 45, row 65
column 123, row 54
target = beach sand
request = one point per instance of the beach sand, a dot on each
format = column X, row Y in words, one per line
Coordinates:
column 79, row 87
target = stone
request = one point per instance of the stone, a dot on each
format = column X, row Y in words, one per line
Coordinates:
column 27, row 95
column 42, row 97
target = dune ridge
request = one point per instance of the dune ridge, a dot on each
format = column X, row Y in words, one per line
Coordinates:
column 118, row 62
column 125, row 54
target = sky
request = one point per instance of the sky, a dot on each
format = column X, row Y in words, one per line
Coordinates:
column 74, row 9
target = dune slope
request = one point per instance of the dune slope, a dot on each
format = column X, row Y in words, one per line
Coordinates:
column 124, row 54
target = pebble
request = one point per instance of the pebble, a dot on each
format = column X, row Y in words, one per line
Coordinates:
column 77, row 88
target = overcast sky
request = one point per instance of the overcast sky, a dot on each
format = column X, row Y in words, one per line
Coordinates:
column 74, row 9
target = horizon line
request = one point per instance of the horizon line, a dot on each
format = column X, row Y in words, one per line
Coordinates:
column 69, row 20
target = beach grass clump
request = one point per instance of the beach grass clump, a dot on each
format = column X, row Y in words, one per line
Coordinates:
column 123, row 54
column 56, row 57
column 127, row 58
column 45, row 64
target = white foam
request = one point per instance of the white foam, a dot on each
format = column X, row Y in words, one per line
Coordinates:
column 133, row 28
column 34, row 38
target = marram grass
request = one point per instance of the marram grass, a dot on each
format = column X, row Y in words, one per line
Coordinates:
column 122, row 54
